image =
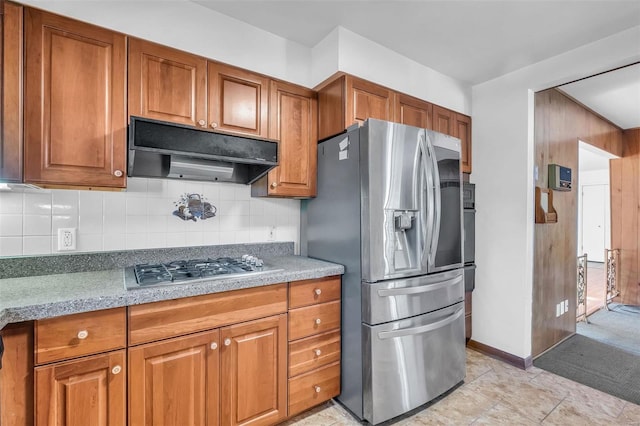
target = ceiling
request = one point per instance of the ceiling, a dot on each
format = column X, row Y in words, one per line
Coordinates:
column 614, row 95
column 470, row 40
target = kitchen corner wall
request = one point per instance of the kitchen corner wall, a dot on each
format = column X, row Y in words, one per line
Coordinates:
column 142, row 217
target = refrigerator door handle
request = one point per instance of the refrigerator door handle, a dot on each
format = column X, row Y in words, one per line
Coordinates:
column 421, row 329
column 435, row 230
column 388, row 292
column 426, row 202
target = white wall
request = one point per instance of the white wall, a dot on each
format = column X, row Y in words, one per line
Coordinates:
column 188, row 26
column 503, row 150
column 141, row 217
column 372, row 61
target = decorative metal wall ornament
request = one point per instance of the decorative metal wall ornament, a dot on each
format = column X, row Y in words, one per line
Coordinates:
column 612, row 263
column 194, row 207
column 582, row 288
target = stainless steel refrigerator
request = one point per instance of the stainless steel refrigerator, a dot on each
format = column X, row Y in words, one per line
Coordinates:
column 389, row 208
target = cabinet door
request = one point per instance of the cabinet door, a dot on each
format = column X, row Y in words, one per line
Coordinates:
column 175, row 381
column 443, row 120
column 238, row 100
column 413, row 112
column 294, row 124
column 367, row 100
column 463, row 132
column 11, row 52
column 87, row 391
column 254, row 372
column 75, row 119
column 167, row 84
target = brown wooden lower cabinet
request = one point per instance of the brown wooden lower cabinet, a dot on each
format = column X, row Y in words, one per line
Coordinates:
column 86, row 391
column 313, row 388
column 254, row 372
column 175, row 381
column 249, row 373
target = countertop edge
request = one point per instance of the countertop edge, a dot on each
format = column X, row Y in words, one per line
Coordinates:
column 31, row 312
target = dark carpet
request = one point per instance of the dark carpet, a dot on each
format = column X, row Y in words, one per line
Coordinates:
column 605, row 355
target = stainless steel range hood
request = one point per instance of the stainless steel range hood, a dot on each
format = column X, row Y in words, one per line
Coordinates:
column 158, row 149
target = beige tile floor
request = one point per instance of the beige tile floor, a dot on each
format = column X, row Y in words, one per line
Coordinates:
column 495, row 393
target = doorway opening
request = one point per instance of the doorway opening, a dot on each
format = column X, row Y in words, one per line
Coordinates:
column 594, row 223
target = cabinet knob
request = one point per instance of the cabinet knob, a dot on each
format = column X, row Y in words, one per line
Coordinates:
column 317, row 291
column 318, row 352
column 214, row 346
column 118, row 173
column 317, row 389
column 202, row 123
column 214, row 125
column 227, row 342
column 83, row 334
column 116, row 370
column 274, row 184
column 318, row 321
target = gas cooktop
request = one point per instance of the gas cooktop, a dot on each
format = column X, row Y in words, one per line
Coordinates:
column 193, row 270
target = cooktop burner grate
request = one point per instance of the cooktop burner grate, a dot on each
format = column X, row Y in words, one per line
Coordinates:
column 178, row 271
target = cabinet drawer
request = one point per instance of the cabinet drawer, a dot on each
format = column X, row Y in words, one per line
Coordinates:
column 171, row 318
column 313, row 388
column 311, row 292
column 313, row 352
column 314, row 319
column 79, row 334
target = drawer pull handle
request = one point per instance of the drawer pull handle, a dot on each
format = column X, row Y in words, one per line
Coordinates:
column 317, row 291
column 318, row 321
column 202, row 123
column 83, row 334
column 118, row 173
column 317, row 389
column 116, row 370
column 214, row 125
column 214, row 346
column 227, row 342
column 318, row 352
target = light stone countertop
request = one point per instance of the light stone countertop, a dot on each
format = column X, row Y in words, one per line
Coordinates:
column 48, row 296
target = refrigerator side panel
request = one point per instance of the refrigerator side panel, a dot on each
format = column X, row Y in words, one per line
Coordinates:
column 333, row 234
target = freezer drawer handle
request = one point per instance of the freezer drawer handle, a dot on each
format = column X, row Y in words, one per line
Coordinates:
column 423, row 328
column 388, row 292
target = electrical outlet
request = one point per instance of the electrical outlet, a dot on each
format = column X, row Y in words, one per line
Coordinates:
column 558, row 309
column 66, row 239
column 566, row 305
column 272, row 233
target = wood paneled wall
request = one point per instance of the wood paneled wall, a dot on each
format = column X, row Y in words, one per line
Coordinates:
column 625, row 216
column 559, row 124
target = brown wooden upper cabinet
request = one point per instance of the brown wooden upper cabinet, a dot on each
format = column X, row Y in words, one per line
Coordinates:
column 463, row 132
column 75, row 112
column 238, row 100
column 294, row 111
column 444, row 120
column 11, row 52
column 346, row 99
column 457, row 125
column 167, row 84
column 413, row 111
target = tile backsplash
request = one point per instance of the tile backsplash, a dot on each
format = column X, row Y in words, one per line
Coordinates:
column 142, row 217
